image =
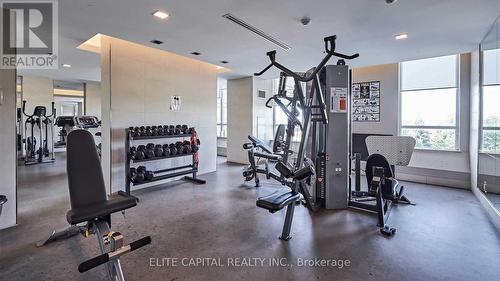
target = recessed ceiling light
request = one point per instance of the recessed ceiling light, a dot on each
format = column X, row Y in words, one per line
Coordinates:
column 224, row 61
column 66, row 65
column 401, row 36
column 157, row 42
column 161, row 15
column 195, row 53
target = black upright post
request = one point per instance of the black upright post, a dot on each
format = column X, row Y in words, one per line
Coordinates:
column 127, row 162
column 357, row 167
column 285, row 234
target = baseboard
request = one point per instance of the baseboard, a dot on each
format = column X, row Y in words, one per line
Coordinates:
column 434, row 177
column 222, row 151
column 492, row 212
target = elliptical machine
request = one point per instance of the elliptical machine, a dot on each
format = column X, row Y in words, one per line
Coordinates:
column 39, row 118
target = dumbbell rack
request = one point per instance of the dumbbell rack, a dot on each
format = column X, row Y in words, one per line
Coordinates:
column 172, row 172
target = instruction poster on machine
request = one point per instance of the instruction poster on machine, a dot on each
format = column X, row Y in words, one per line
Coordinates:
column 338, row 100
column 366, row 101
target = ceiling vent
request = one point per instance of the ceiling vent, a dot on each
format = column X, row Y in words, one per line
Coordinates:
column 256, row 31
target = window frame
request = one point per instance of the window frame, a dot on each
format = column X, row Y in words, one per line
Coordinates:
column 401, row 127
column 481, row 116
column 222, row 110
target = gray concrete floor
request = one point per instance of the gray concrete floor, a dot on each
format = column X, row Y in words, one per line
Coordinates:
column 447, row 236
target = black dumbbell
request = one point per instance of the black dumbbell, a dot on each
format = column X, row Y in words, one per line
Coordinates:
column 132, row 172
column 178, row 129
column 148, row 131
column 148, row 176
column 179, row 145
column 140, row 152
column 139, row 174
column 184, row 129
column 154, row 131
column 194, row 148
column 187, row 147
column 191, row 130
column 160, row 131
column 173, row 149
column 150, row 151
column 132, row 152
column 158, row 150
column 166, row 150
column 141, row 169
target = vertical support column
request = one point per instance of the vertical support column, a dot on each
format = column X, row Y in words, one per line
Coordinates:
column 106, row 111
column 337, row 139
column 8, row 146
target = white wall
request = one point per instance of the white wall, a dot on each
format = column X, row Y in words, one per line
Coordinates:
column 426, row 166
column 8, row 147
column 239, row 117
column 137, row 83
column 93, row 99
column 37, row 91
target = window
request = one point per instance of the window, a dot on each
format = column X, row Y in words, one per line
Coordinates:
column 430, row 102
column 221, row 108
column 490, row 121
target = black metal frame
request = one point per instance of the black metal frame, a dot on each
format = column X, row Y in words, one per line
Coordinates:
column 39, row 120
column 313, row 110
column 191, row 169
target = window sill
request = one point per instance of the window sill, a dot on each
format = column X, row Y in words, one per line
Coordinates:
column 438, row 150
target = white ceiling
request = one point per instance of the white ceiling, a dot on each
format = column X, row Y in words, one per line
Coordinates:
column 435, row 27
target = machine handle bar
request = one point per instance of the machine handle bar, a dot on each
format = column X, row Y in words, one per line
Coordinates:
column 330, row 51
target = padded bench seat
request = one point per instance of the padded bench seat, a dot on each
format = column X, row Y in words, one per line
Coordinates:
column 277, row 201
column 115, row 203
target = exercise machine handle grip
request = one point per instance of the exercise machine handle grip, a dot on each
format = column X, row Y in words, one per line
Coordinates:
column 140, row 243
column 264, row 70
column 347, row 57
column 93, row 262
column 24, row 109
column 104, row 258
column 330, row 51
column 53, row 112
column 248, row 145
column 267, row 102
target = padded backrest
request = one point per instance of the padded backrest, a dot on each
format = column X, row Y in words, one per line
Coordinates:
column 377, row 160
column 85, row 179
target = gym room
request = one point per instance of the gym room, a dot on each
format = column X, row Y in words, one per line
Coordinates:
column 250, row 140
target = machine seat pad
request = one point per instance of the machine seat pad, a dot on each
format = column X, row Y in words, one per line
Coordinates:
column 272, row 157
column 115, row 203
column 278, row 200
